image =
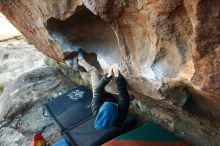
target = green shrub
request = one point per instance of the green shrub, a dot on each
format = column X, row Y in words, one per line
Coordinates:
column 46, row 62
column 50, row 62
column 9, row 45
column 1, row 88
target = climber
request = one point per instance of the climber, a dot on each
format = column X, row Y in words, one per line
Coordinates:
column 108, row 114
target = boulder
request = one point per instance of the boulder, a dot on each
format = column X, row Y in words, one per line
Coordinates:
column 18, row 56
column 31, row 88
column 22, row 106
column 162, row 46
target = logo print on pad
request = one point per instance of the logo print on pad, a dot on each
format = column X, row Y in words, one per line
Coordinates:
column 75, row 95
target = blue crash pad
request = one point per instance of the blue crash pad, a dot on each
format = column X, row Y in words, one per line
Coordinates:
column 61, row 142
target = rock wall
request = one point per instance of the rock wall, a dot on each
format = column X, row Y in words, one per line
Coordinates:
column 167, row 49
column 22, row 106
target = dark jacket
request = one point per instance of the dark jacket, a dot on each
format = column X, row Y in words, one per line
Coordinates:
column 123, row 101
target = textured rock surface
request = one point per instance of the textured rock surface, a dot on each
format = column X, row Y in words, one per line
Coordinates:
column 36, row 86
column 189, row 128
column 22, row 109
column 17, row 56
column 163, row 46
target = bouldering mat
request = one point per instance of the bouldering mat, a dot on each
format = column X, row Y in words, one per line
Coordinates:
column 71, row 108
column 85, row 134
column 149, row 134
column 72, row 113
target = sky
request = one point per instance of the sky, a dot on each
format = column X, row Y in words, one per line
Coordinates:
column 7, row 30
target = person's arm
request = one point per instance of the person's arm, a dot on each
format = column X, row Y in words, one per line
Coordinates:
column 124, row 99
column 97, row 94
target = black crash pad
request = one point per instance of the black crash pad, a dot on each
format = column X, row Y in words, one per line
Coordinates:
column 86, row 135
column 71, row 108
column 72, row 113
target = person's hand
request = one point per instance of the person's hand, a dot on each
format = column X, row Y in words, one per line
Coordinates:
column 110, row 71
column 116, row 70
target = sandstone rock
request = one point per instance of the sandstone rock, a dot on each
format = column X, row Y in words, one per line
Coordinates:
column 22, row 106
column 190, row 128
column 11, row 137
column 31, row 88
column 146, row 34
column 20, row 131
column 205, row 46
column 16, row 58
column 161, row 45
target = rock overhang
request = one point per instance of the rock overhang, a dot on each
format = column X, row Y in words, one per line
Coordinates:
column 85, row 30
column 162, row 45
